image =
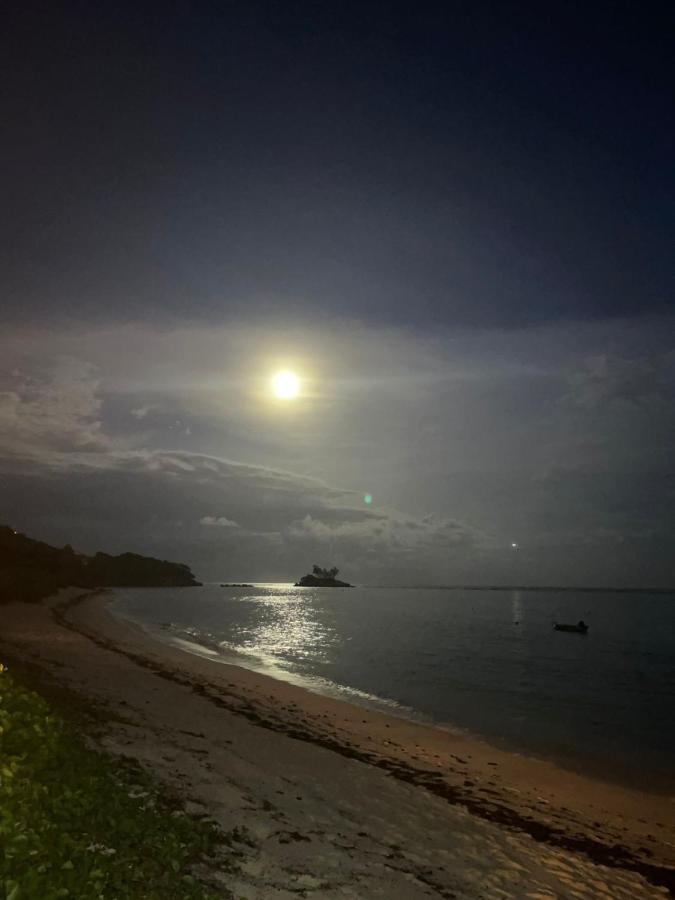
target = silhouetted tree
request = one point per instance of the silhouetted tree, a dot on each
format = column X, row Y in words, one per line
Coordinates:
column 320, row 572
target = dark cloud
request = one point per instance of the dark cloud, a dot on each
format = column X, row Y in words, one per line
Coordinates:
column 276, row 520
column 609, row 378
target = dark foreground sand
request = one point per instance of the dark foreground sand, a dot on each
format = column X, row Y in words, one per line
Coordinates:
column 341, row 802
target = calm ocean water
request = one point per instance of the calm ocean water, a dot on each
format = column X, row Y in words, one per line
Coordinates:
column 488, row 662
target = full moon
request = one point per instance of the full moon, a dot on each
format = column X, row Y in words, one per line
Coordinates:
column 285, row 385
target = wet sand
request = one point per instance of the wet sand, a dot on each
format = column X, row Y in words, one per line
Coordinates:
column 339, row 801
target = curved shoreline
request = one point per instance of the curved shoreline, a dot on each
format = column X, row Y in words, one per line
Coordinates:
column 623, row 774
column 605, row 823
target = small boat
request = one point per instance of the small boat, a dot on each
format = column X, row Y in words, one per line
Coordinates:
column 580, row 628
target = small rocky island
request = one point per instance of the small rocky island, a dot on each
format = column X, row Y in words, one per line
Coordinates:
column 322, row 578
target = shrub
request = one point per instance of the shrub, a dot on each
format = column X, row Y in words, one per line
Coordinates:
column 76, row 823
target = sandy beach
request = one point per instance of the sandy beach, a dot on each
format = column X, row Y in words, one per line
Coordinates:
column 334, row 801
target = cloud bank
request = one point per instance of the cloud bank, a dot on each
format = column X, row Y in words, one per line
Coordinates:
column 167, row 442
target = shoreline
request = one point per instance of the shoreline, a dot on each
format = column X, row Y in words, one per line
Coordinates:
column 541, row 777
column 617, row 830
column 589, row 767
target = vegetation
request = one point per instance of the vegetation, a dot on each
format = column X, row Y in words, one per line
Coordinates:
column 324, row 573
column 30, row 570
column 75, row 823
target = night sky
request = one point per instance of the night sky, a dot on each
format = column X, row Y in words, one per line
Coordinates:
column 454, row 221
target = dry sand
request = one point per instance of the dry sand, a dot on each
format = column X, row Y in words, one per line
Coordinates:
column 334, row 801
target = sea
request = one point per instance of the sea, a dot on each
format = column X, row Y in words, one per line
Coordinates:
column 487, row 663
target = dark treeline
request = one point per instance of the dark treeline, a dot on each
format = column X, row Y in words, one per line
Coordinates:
column 31, row 570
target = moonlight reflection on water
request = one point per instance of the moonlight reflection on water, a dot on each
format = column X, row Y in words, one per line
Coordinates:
column 287, row 626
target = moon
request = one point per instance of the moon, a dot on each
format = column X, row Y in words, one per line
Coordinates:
column 285, row 385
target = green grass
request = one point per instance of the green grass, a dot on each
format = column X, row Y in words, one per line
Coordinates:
column 77, row 823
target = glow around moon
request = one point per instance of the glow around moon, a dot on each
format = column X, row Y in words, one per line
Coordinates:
column 285, row 385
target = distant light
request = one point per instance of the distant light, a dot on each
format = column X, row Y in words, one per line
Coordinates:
column 286, row 385
column 368, row 499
